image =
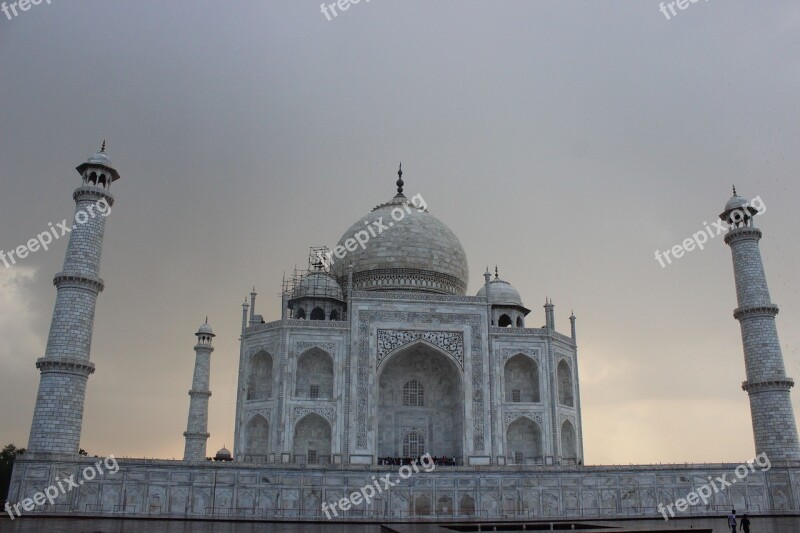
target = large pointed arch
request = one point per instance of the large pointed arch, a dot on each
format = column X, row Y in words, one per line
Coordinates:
column 435, row 417
column 256, row 439
column 521, row 374
column 312, row 441
column 524, row 441
column 566, row 387
column 569, row 442
column 259, row 383
column 314, row 376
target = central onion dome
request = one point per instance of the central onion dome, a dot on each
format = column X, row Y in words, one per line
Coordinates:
column 400, row 246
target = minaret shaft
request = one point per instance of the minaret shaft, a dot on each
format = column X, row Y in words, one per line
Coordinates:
column 65, row 367
column 197, row 425
column 774, row 426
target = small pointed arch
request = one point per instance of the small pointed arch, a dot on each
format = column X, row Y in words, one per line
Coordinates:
column 444, row 505
column 521, row 374
column 519, row 322
column 569, row 444
column 300, row 314
column 504, row 321
column 260, row 377
column 101, row 180
column 317, row 314
column 566, row 394
column 422, row 505
column 93, row 178
column 467, row 505
column 334, row 315
column 314, row 374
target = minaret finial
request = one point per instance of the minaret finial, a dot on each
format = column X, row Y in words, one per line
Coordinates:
column 734, row 190
column 103, row 148
column 496, row 273
column 400, row 180
column 206, row 319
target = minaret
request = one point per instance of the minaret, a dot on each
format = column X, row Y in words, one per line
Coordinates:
column 253, row 295
column 550, row 321
column 197, row 427
column 572, row 325
column 240, row 383
column 767, row 385
column 65, row 367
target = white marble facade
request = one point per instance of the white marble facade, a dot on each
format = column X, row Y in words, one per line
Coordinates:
column 381, row 353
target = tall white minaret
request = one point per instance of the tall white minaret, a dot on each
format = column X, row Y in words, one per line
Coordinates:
column 197, row 426
column 65, row 368
column 774, row 426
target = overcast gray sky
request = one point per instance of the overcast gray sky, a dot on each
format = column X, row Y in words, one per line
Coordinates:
column 564, row 141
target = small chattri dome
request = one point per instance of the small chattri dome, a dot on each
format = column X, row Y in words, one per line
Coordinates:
column 501, row 293
column 224, row 454
column 99, row 159
column 735, row 202
column 205, row 329
column 318, row 285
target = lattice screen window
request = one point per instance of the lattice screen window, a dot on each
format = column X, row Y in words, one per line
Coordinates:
column 413, row 394
column 413, row 445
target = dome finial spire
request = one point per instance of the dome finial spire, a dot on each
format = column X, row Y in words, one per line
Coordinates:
column 400, row 180
column 734, row 190
column 103, row 148
column 496, row 273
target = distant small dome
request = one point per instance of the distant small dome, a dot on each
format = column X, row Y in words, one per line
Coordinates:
column 205, row 329
column 223, row 454
column 318, row 285
column 501, row 293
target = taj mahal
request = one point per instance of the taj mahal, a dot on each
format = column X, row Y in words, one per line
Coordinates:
column 381, row 354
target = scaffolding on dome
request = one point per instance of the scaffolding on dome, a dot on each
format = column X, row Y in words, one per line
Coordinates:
column 315, row 284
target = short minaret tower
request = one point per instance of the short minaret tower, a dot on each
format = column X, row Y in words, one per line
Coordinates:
column 197, row 427
column 549, row 315
column 65, row 367
column 253, row 295
column 572, row 319
column 774, row 426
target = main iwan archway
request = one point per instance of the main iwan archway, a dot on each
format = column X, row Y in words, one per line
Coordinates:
column 421, row 404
